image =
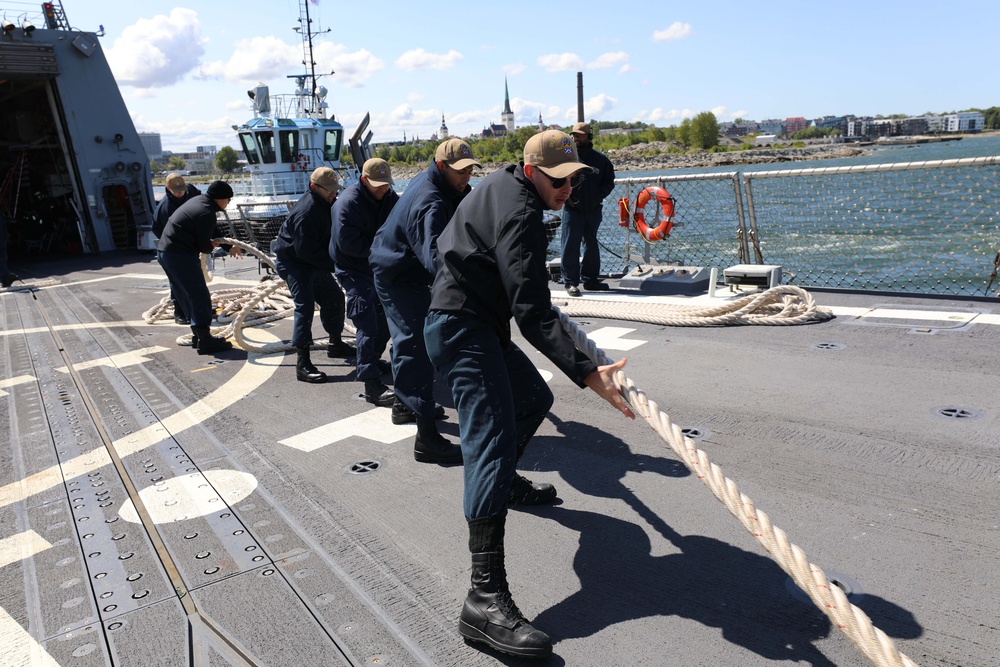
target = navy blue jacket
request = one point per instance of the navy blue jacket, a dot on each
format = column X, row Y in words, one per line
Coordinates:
column 166, row 207
column 491, row 266
column 596, row 185
column 356, row 217
column 304, row 237
column 405, row 248
column 191, row 228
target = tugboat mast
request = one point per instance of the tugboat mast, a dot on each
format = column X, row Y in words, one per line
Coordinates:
column 315, row 108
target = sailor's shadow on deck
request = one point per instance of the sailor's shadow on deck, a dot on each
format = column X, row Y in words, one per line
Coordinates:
column 708, row 580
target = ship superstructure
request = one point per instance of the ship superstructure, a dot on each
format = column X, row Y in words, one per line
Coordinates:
column 74, row 177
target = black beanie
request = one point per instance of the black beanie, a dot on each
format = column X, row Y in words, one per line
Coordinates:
column 219, row 190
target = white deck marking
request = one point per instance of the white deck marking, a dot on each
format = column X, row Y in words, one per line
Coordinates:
column 188, row 496
column 611, row 338
column 546, row 375
column 117, row 360
column 372, row 424
column 20, row 379
column 21, row 646
column 256, row 371
column 23, row 545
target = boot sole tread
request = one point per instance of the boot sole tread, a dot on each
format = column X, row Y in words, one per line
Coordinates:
column 473, row 633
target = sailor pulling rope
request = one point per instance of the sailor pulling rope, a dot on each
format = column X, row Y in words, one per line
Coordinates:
column 270, row 300
column 830, row 599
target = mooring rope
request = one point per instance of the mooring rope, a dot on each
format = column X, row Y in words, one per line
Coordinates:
column 240, row 307
column 783, row 305
column 829, row 598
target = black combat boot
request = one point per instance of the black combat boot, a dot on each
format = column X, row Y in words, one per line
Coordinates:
column 432, row 447
column 338, row 349
column 10, row 279
column 304, row 369
column 402, row 415
column 209, row 344
column 378, row 394
column 179, row 316
column 525, row 492
column 489, row 614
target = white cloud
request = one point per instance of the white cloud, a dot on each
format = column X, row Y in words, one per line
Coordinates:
column 609, row 60
column 419, row 59
column 157, row 52
column 513, row 68
column 255, row 59
column 595, row 107
column 719, row 111
column 625, row 69
column 352, row 69
column 676, row 30
column 561, row 62
column 659, row 115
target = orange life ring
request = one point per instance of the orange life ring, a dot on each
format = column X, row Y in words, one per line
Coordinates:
column 301, row 161
column 666, row 202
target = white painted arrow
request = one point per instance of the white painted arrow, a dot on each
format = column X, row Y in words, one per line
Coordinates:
column 374, row 424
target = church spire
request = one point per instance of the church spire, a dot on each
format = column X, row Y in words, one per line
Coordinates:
column 507, row 117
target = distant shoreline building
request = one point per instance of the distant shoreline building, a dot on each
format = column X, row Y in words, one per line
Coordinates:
column 506, row 125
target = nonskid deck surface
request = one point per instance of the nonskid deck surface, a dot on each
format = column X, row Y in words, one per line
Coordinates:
column 283, row 523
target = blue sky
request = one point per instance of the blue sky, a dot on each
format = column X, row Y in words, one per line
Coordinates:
column 184, row 68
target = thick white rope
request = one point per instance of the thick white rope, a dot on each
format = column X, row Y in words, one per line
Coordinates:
column 783, row 305
column 240, row 307
column 829, row 598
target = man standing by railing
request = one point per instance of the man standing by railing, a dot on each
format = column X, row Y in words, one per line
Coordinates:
column 583, row 216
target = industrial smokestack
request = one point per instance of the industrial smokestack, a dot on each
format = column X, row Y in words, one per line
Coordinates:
column 579, row 98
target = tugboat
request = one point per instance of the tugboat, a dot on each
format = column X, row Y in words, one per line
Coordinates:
column 288, row 137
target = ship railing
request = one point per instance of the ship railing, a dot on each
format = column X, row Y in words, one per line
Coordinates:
column 916, row 227
column 271, row 184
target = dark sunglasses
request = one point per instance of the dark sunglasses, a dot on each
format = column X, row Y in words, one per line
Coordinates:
column 557, row 183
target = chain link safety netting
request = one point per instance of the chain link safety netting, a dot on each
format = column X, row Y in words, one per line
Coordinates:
column 917, row 227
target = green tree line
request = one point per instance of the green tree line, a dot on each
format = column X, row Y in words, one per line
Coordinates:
column 700, row 132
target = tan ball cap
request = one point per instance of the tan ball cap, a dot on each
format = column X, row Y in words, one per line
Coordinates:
column 456, row 154
column 554, row 153
column 377, row 171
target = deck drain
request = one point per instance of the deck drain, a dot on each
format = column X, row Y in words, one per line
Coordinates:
column 366, row 466
column 851, row 588
column 829, row 346
column 694, row 432
column 955, row 412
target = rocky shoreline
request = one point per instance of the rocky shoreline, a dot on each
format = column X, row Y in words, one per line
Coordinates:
column 651, row 157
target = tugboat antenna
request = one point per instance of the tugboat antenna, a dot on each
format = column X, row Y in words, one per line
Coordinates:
column 305, row 29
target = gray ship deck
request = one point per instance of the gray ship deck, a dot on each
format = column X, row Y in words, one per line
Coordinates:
column 871, row 439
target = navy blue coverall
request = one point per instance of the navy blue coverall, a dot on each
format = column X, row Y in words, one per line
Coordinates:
column 357, row 215
column 491, row 267
column 404, row 261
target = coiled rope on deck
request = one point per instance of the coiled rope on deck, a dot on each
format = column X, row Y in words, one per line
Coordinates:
column 782, row 305
column 830, row 599
column 240, row 307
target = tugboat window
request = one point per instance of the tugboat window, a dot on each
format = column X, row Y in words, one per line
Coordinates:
column 265, row 140
column 289, row 145
column 249, row 148
column 331, row 147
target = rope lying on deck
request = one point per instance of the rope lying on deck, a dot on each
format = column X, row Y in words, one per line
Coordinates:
column 830, row 599
column 782, row 305
column 240, row 307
